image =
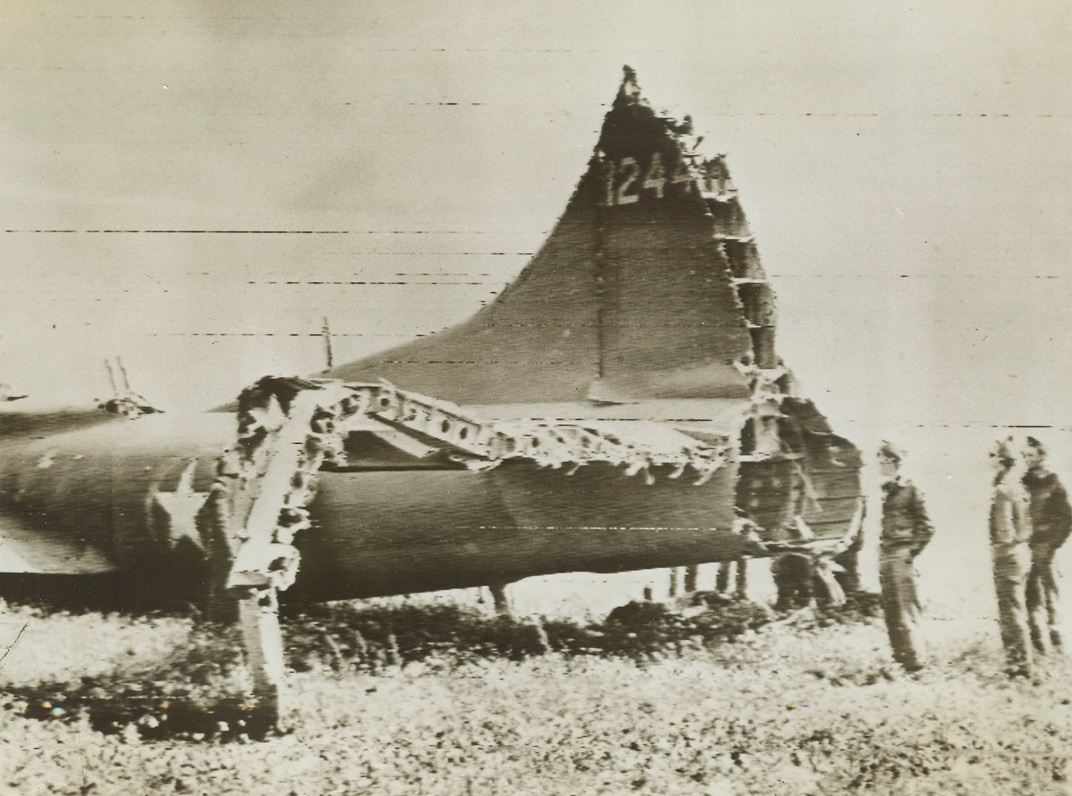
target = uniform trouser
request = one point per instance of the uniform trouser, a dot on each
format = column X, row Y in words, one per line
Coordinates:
column 1010, row 577
column 849, row 575
column 722, row 579
column 1042, row 594
column 793, row 575
column 900, row 603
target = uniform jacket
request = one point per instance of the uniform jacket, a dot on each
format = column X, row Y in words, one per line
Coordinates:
column 905, row 523
column 1051, row 515
column 1010, row 516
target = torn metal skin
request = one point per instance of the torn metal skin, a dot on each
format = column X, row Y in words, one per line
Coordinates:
column 633, row 355
column 621, row 405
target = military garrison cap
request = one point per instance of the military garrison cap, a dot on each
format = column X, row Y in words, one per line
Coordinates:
column 1032, row 442
column 888, row 450
column 1004, row 450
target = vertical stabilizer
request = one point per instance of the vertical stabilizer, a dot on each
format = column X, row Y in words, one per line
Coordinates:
column 649, row 286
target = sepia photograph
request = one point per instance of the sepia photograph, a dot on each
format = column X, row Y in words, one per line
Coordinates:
column 534, row 399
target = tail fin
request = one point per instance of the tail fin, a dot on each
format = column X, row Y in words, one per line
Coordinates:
column 649, row 286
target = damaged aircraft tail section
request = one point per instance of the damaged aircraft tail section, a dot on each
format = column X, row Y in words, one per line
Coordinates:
column 620, row 405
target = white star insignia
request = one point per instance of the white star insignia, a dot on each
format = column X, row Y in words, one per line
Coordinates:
column 181, row 507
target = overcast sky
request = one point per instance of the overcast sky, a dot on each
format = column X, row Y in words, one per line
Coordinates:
column 906, row 170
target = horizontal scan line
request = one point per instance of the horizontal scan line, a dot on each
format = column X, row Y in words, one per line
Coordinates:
column 918, row 276
column 638, row 419
column 595, row 528
column 525, row 362
column 966, row 424
column 268, row 232
column 362, row 282
column 180, row 231
column 281, row 334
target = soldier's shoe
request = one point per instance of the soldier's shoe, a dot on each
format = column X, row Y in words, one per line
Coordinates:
column 923, row 673
column 1057, row 642
column 1018, row 671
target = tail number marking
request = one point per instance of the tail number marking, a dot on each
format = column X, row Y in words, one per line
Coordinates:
column 623, row 184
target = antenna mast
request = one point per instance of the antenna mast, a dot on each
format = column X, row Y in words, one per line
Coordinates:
column 111, row 378
column 123, row 372
column 326, row 333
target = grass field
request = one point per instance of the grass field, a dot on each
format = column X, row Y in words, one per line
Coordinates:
column 436, row 699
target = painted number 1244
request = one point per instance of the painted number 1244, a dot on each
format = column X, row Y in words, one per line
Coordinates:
column 625, row 180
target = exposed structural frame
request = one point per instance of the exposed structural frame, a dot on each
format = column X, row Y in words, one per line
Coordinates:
column 620, row 406
column 290, row 428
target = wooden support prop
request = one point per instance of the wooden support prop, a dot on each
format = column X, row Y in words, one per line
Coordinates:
column 262, row 642
column 501, row 598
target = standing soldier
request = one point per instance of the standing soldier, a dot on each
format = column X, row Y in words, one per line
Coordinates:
column 847, row 572
column 1010, row 532
column 906, row 530
column 794, row 574
column 1051, row 519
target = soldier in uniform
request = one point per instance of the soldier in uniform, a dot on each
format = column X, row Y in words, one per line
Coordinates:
column 794, row 574
column 847, row 572
column 906, row 530
column 1051, row 520
column 1010, row 532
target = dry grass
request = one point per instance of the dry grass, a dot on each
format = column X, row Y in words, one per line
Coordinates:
column 442, row 701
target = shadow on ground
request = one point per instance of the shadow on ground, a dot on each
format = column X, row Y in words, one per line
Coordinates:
column 196, row 694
